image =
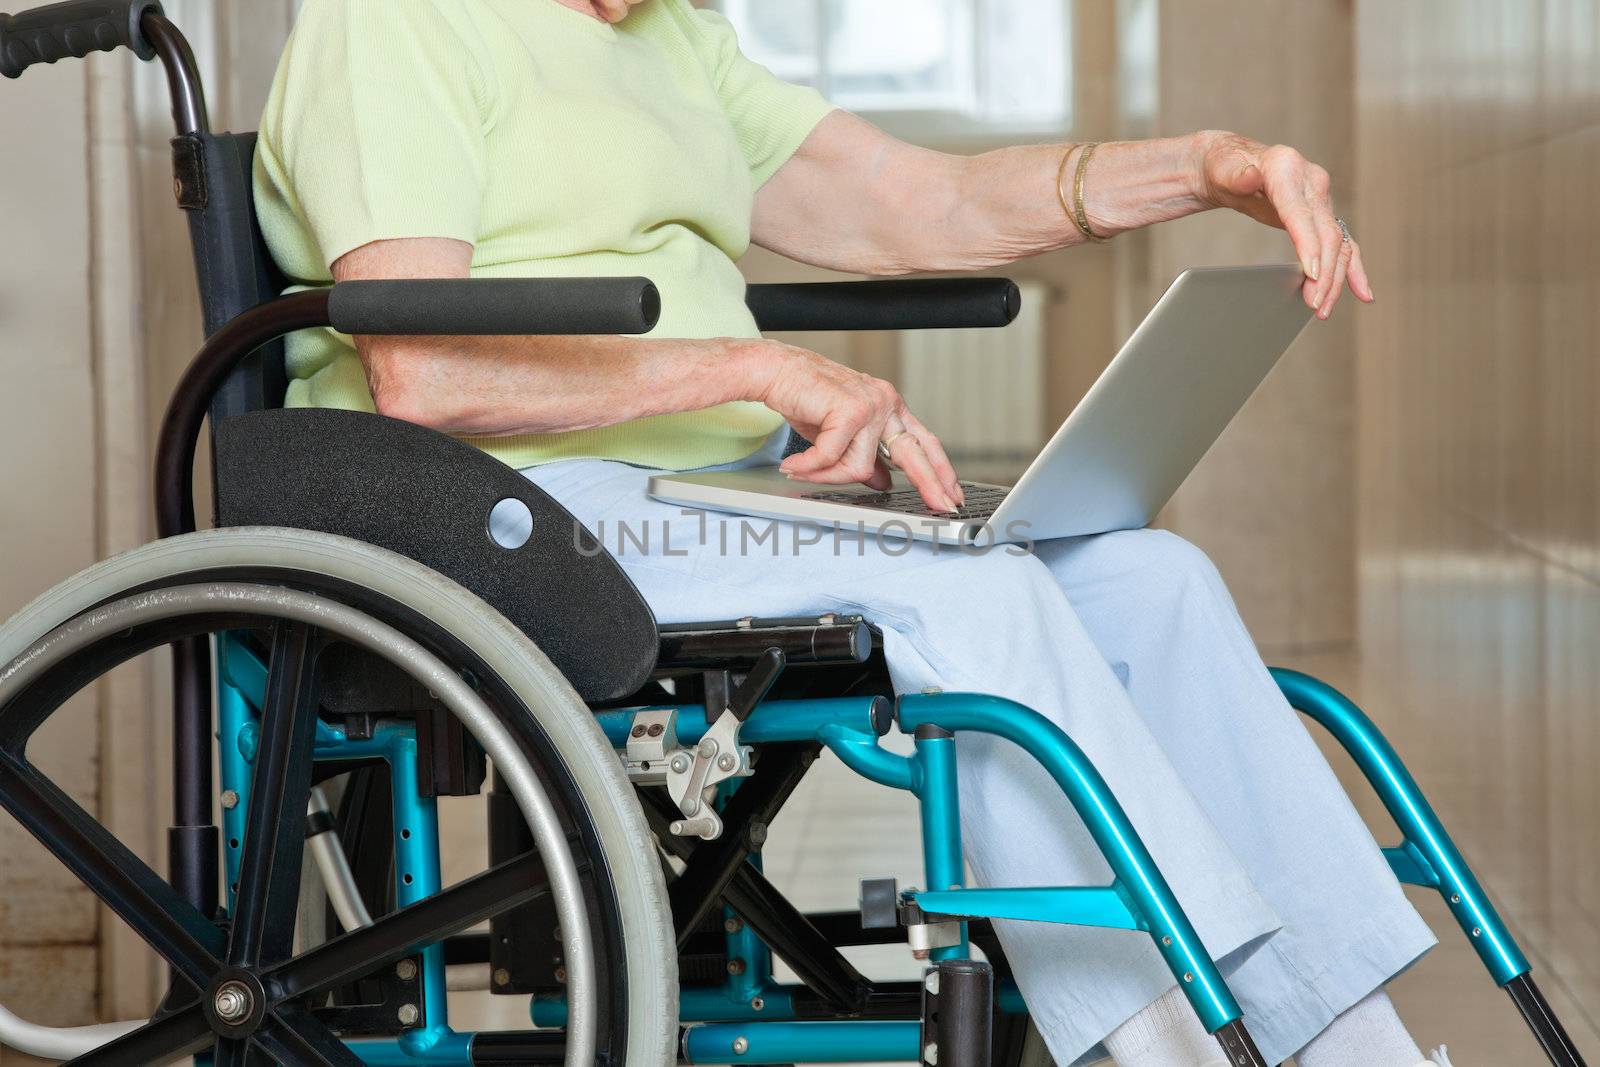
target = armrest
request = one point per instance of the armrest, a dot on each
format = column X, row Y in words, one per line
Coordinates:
column 902, row 304
column 444, row 306
column 495, row 306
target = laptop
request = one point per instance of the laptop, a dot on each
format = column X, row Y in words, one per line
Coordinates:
column 1114, row 463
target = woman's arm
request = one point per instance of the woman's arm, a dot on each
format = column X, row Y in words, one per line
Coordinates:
column 495, row 386
column 854, row 198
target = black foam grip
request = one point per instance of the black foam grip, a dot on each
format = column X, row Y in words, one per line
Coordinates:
column 73, row 28
column 496, row 306
column 907, row 304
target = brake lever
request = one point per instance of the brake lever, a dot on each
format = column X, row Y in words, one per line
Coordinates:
column 719, row 756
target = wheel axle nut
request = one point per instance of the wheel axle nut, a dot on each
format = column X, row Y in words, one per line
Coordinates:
column 409, row 1015
column 406, row 970
column 233, row 1003
column 230, row 799
column 741, row 1045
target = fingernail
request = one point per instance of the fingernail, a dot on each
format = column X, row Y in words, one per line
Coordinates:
column 1311, row 268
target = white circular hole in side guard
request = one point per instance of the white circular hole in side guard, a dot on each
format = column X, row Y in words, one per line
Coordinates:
column 510, row 523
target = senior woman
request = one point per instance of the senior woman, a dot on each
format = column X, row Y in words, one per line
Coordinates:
column 540, row 138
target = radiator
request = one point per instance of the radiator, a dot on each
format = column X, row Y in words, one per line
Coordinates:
column 982, row 391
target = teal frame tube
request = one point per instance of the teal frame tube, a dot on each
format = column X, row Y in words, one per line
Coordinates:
column 1427, row 856
column 775, row 720
column 241, row 688
column 1137, row 877
column 934, row 783
column 860, row 1041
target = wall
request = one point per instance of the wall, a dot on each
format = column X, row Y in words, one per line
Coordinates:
column 1479, row 128
column 48, row 924
column 1273, row 502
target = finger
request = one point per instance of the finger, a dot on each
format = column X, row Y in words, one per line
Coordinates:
column 612, row 10
column 1331, row 242
column 1341, row 266
column 936, row 456
column 828, row 445
column 1359, row 283
column 858, row 462
column 1300, row 221
column 912, row 459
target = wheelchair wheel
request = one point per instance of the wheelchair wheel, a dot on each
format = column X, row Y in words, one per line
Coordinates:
column 240, row 988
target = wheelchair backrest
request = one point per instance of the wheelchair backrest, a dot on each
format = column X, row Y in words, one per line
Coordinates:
column 215, row 186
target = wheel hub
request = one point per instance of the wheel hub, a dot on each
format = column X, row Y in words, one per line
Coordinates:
column 233, row 1003
column 236, row 1003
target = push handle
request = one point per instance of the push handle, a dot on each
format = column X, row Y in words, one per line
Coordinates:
column 495, row 306
column 73, row 28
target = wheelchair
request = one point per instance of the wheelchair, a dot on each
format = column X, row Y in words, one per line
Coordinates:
column 358, row 637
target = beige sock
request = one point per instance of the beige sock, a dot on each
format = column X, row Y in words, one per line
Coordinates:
column 1164, row 1034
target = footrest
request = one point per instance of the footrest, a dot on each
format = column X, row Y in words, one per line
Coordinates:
column 957, row 1014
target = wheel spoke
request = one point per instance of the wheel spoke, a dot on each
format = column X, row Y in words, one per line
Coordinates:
column 125, row 883
column 170, row 1037
column 239, row 1052
column 274, row 837
column 293, row 1037
column 361, row 952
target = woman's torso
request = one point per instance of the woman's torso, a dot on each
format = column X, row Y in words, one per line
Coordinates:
column 605, row 151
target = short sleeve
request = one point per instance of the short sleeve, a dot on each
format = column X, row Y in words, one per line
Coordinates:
column 771, row 117
column 376, row 123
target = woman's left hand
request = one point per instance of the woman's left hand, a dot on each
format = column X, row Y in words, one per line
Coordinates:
column 1280, row 187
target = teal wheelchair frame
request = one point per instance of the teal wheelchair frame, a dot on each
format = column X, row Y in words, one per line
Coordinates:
column 751, row 1018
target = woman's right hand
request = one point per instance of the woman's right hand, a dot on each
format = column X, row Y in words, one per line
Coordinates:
column 844, row 414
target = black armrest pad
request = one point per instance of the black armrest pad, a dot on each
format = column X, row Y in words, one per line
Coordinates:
column 903, row 304
column 428, row 497
column 495, row 306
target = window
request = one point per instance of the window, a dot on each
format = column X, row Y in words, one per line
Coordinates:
column 930, row 67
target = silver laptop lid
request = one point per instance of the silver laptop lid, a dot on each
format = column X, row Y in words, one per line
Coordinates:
column 1163, row 401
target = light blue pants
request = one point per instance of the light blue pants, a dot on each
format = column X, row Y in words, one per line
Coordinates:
column 1132, row 644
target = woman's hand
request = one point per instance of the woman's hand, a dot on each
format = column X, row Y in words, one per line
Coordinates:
column 845, row 413
column 1280, row 187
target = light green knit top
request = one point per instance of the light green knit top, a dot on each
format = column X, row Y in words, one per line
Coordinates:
column 558, row 146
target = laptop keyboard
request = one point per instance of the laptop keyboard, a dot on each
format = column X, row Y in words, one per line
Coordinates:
column 982, row 500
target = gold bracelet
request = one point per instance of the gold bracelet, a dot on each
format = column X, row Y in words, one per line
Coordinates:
column 1075, row 210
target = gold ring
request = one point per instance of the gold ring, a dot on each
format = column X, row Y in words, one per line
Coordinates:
column 887, row 444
